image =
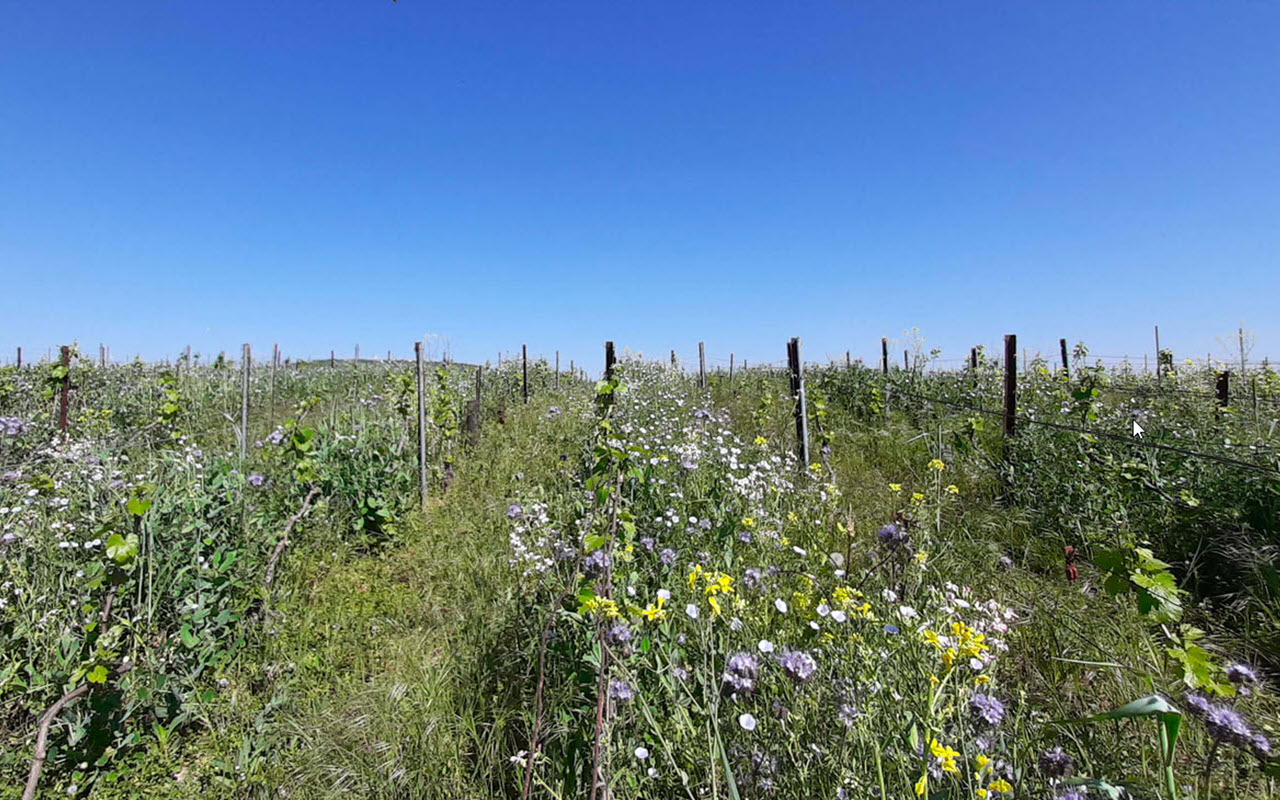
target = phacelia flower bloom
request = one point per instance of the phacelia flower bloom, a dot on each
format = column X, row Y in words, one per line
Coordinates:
column 255, row 479
column 668, row 556
column 596, row 564
column 1260, row 746
column 1241, row 674
column 1226, row 725
column 741, row 672
column 747, row 722
column 276, row 436
column 618, row 636
column 621, row 691
column 1056, row 763
column 798, row 665
column 514, row 511
column 986, row 709
column 848, row 715
column 891, row 536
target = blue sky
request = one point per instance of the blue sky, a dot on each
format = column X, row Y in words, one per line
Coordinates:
column 325, row 173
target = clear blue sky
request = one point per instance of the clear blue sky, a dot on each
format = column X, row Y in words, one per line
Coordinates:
column 326, row 173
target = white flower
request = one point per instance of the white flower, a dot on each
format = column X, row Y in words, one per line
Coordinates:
column 691, row 610
column 907, row 612
column 653, row 772
column 889, row 595
column 747, row 722
column 765, row 646
column 823, row 609
column 664, row 594
column 642, row 753
column 839, row 616
column 781, row 605
column 976, row 664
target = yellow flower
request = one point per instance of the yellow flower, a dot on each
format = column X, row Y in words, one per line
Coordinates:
column 953, row 489
column 981, row 793
column 748, row 522
column 1000, row 785
column 937, row 464
column 715, row 606
column 761, row 440
column 922, row 558
column 982, row 761
column 815, row 467
column 921, row 785
column 981, row 679
column 655, row 612
column 895, row 487
column 693, row 576
column 917, row 496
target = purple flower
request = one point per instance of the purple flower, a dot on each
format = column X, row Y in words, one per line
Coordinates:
column 12, row 426
column 514, row 511
column 621, row 691
column 1223, row 722
column 1055, row 763
column 256, row 479
column 848, row 715
column 1241, row 674
column 596, row 564
column 668, row 556
column 618, row 636
column 1260, row 746
column 798, row 665
column 276, row 436
column 891, row 536
column 741, row 672
column 752, row 579
column 987, row 709
column 648, row 543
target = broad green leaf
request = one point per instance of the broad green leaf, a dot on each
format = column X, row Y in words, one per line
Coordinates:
column 97, row 675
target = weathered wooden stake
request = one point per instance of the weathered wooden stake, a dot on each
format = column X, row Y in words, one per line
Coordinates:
column 731, row 369
column 1224, row 389
column 357, row 355
column 187, row 359
column 102, row 355
column 246, row 365
column 796, row 367
column 1242, row 369
column 1062, row 346
column 524, row 370
column 702, row 366
column 333, row 359
column 64, row 390
column 973, row 360
column 905, row 365
column 884, row 355
column 422, row 423
column 608, row 361
column 673, row 358
column 1010, row 384
column 19, row 358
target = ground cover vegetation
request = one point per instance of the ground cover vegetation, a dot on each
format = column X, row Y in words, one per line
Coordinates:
column 634, row 588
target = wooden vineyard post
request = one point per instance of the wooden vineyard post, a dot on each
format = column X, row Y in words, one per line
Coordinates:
column 1010, row 384
column 572, row 369
column 702, row 366
column 673, row 358
column 973, row 361
column 187, row 359
column 422, row 424
column 102, row 355
column 848, row 359
column 905, row 365
column 357, row 355
column 275, row 363
column 557, row 370
column 64, row 390
column 524, row 371
column 797, row 392
column 731, row 369
column 246, row 365
column 1062, row 346
column 1223, row 389
column 19, row 358
column 884, row 355
column 608, row 361
column 333, row 359
column 479, row 382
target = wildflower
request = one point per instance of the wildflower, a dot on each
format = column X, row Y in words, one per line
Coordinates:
column 987, row 709
column 691, row 610
column 781, row 605
column 760, row 440
column 747, row 722
column 765, row 646
column 619, row 636
column 1000, row 785
column 667, row 557
column 937, row 464
column 642, row 753
column 917, row 496
column 891, row 536
column 741, row 671
column 621, row 691
column 895, row 487
column 1055, row 763
column 798, row 665
column 1260, row 746
column 255, row 480
column 953, row 489
column 848, row 715
column 1241, row 674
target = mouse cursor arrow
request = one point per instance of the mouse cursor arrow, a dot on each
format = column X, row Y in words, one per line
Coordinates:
column 1137, row 429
